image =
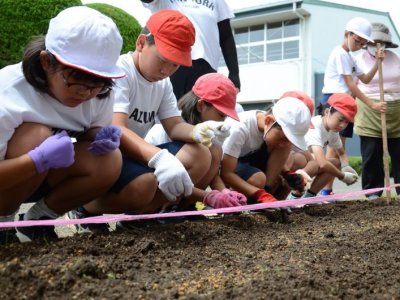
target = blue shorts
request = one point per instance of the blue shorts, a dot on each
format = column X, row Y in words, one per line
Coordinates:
column 252, row 163
column 325, row 98
column 132, row 168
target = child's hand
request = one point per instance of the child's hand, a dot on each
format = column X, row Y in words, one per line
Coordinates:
column 349, row 178
column 106, row 140
column 57, row 151
column 349, row 169
column 294, row 180
column 210, row 131
column 306, row 179
column 217, row 199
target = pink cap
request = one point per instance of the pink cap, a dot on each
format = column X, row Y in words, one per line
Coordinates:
column 302, row 97
column 345, row 104
column 219, row 91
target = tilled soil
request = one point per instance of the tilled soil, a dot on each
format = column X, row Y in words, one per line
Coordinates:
column 344, row 250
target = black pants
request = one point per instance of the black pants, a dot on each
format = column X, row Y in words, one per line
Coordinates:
column 373, row 175
column 185, row 77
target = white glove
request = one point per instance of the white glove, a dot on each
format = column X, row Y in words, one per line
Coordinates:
column 206, row 132
column 173, row 179
column 307, row 179
column 349, row 169
column 221, row 133
column 349, row 178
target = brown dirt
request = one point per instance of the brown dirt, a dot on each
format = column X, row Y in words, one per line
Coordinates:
column 344, row 250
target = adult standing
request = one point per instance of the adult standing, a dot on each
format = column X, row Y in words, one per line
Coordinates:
column 211, row 20
column 368, row 121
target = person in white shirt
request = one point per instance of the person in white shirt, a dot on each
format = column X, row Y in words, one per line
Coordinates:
column 368, row 122
column 62, row 89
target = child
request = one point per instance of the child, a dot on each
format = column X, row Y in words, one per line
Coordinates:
column 213, row 97
column 151, row 176
column 324, row 130
column 342, row 73
column 60, row 90
column 259, row 146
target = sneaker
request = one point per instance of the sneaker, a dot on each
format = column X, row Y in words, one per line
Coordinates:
column 372, row 197
column 326, row 192
column 8, row 236
column 30, row 233
column 294, row 197
column 81, row 213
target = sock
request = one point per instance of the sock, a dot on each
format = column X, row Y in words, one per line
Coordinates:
column 309, row 194
column 9, row 218
column 39, row 210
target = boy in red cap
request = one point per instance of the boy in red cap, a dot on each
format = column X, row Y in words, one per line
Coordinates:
column 324, row 130
column 151, row 176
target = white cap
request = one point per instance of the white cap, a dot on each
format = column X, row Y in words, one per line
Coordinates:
column 361, row 27
column 83, row 38
column 294, row 117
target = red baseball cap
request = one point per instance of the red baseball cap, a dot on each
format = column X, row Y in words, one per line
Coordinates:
column 219, row 91
column 174, row 35
column 302, row 97
column 345, row 104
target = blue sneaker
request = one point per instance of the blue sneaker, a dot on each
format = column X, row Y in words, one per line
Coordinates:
column 28, row 234
column 81, row 213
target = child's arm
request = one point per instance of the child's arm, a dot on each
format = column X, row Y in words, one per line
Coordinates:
column 378, row 106
column 230, row 178
column 324, row 164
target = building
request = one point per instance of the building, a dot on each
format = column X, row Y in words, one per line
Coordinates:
column 285, row 46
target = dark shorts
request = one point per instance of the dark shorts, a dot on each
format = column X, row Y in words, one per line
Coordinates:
column 132, row 169
column 252, row 163
column 41, row 192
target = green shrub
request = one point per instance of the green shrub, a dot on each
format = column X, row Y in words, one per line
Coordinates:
column 356, row 163
column 128, row 26
column 21, row 20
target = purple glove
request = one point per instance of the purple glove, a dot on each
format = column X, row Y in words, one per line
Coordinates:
column 106, row 140
column 217, row 199
column 57, row 151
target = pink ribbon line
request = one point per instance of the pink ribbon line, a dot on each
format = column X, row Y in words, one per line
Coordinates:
column 236, row 209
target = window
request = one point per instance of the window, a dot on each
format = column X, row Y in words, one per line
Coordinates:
column 267, row 42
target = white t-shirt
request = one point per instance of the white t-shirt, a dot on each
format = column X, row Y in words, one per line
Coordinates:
column 390, row 74
column 340, row 63
column 204, row 16
column 245, row 136
column 317, row 135
column 20, row 103
column 157, row 135
column 143, row 100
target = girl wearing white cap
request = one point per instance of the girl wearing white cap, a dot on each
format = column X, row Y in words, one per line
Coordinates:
column 342, row 74
column 258, row 147
column 368, row 122
column 61, row 90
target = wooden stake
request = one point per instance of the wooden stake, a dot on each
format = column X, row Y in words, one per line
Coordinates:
column 384, row 131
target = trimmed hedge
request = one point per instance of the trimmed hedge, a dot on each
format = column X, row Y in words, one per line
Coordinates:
column 21, row 20
column 356, row 163
column 128, row 26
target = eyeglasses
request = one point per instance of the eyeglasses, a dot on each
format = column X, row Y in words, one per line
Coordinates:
column 358, row 40
column 80, row 88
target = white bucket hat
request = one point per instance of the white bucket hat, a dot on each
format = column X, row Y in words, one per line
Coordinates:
column 83, row 38
column 361, row 27
column 294, row 117
column 380, row 32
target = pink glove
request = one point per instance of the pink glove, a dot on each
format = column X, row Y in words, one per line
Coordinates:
column 217, row 199
column 239, row 197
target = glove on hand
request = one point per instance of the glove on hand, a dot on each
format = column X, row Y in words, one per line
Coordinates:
column 239, row 197
column 349, row 178
column 205, row 133
column 294, row 180
column 217, row 199
column 306, row 179
column 221, row 133
column 57, row 151
column 106, row 140
column 173, row 179
column 264, row 197
column 349, row 169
